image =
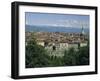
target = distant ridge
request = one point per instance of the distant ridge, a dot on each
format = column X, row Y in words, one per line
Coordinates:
column 35, row 28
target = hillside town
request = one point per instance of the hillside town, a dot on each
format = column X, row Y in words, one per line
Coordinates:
column 56, row 42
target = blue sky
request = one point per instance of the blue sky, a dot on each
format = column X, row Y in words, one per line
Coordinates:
column 52, row 19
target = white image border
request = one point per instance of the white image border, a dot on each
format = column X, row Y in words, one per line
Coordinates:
column 54, row 70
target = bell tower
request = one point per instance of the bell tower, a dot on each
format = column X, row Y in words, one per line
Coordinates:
column 82, row 31
column 82, row 35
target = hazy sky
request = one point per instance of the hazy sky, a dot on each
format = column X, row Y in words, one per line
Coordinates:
column 52, row 19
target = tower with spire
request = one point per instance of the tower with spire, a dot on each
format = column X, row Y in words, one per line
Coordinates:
column 82, row 34
column 82, row 31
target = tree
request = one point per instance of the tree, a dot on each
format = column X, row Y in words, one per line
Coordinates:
column 70, row 57
column 83, row 56
column 36, row 55
column 80, row 57
column 56, row 61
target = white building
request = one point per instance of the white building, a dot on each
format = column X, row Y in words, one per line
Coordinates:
column 83, row 44
column 41, row 43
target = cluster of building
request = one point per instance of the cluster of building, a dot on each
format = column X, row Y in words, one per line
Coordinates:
column 61, row 40
column 58, row 41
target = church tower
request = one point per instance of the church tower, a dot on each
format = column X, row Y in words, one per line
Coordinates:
column 82, row 31
column 82, row 34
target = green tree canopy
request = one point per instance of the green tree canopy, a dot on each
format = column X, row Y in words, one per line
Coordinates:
column 35, row 55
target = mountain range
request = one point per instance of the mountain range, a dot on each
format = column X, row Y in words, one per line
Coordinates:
column 35, row 28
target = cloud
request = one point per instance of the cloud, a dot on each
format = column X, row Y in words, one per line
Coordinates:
column 26, row 22
column 73, row 23
column 66, row 23
column 61, row 23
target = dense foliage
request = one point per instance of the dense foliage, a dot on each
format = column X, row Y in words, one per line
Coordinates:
column 80, row 57
column 36, row 56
